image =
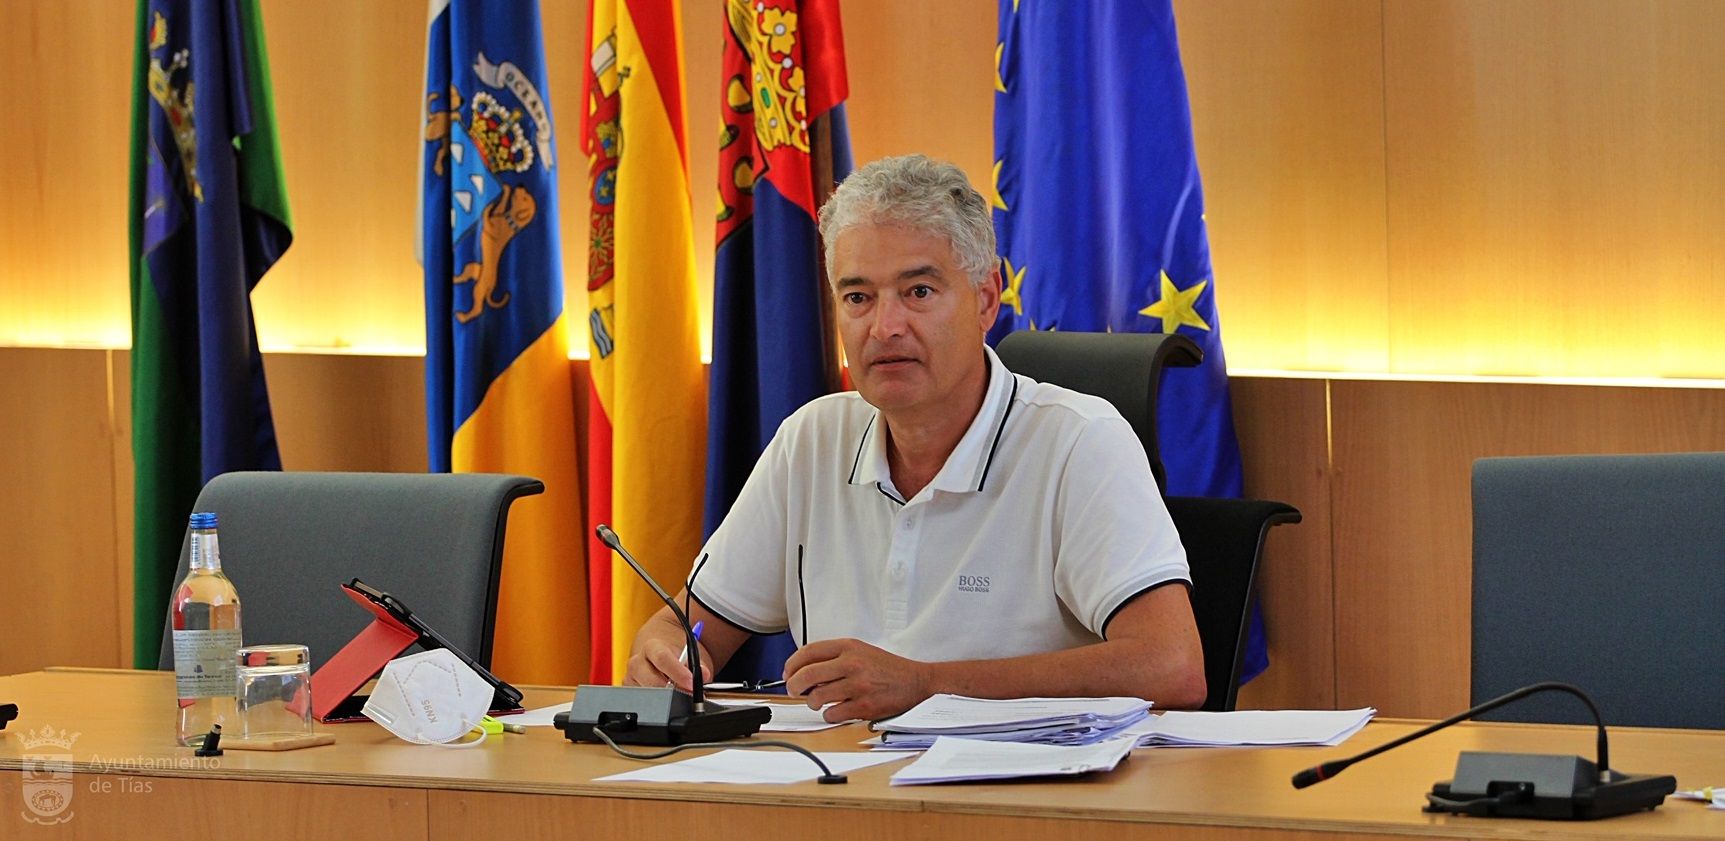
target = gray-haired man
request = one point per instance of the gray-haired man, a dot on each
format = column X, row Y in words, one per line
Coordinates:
column 949, row 526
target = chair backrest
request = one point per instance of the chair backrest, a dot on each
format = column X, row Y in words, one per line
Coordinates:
column 289, row 540
column 1224, row 539
column 1123, row 368
column 1604, row 572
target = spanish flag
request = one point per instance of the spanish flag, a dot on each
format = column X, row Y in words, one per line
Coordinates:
column 647, row 419
column 498, row 393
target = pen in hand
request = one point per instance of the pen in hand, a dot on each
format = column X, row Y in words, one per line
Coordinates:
column 684, row 657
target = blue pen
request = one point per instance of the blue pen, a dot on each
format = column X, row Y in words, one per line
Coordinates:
column 684, row 657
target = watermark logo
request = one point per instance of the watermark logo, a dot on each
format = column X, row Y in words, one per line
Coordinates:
column 47, row 775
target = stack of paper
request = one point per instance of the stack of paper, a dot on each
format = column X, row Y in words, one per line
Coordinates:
column 951, row 759
column 1265, row 728
column 1046, row 721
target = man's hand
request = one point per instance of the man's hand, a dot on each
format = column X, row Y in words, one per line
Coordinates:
column 860, row 680
column 658, row 662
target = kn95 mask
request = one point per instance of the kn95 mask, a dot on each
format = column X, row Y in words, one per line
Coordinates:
column 430, row 698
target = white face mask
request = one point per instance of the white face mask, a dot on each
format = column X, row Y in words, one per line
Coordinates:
column 430, row 698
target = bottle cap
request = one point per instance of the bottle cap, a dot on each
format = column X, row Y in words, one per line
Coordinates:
column 204, row 520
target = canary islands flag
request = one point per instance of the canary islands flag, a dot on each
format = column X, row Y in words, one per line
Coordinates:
column 1100, row 215
column 647, row 416
column 209, row 216
column 782, row 149
column 497, row 376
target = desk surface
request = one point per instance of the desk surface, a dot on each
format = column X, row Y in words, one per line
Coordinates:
column 124, row 738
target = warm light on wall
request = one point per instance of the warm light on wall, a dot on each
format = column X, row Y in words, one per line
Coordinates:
column 1380, row 376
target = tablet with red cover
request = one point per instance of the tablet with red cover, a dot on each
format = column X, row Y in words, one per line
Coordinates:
column 336, row 685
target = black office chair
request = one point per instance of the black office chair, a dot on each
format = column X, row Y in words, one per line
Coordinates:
column 1604, row 572
column 289, row 540
column 1224, row 538
column 1123, row 368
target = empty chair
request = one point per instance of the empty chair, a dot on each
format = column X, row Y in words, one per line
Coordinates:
column 289, row 540
column 1604, row 572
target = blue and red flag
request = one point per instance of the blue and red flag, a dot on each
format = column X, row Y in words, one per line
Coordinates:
column 209, row 216
column 783, row 147
column 1100, row 214
column 497, row 385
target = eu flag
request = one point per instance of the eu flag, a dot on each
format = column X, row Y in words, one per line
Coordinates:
column 209, row 218
column 783, row 147
column 1100, row 214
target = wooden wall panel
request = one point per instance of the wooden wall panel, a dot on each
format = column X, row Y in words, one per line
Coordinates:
column 337, row 412
column 1284, row 444
column 63, row 188
column 1287, row 109
column 1555, row 170
column 57, row 536
column 119, row 389
column 922, row 80
column 1402, row 518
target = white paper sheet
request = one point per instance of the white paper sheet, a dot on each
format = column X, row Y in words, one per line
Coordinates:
column 750, row 766
column 1713, row 795
column 788, row 718
column 536, row 718
column 952, row 759
column 1251, row 727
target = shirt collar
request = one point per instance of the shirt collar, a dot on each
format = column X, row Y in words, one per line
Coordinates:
column 966, row 468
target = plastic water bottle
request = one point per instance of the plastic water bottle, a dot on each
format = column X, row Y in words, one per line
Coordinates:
column 206, row 629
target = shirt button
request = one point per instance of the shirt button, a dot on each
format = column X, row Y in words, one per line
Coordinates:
column 898, row 570
column 909, row 524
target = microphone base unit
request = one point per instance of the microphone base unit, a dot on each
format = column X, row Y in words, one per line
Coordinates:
column 644, row 715
column 1544, row 787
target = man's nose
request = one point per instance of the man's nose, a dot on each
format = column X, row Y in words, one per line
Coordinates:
column 889, row 318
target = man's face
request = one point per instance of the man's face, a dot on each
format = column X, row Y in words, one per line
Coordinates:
column 912, row 321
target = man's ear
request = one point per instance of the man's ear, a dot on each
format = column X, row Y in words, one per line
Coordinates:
column 988, row 299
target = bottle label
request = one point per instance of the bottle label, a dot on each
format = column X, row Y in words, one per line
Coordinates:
column 204, row 662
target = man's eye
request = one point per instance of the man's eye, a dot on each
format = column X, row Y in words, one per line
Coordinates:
column 922, row 291
column 855, row 298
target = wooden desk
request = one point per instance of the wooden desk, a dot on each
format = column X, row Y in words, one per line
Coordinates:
column 129, row 779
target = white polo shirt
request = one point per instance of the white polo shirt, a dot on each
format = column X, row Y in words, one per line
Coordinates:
column 1043, row 522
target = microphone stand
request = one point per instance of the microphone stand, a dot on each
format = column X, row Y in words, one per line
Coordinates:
column 648, row 715
column 1517, row 785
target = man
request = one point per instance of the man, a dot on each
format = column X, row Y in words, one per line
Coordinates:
column 949, row 526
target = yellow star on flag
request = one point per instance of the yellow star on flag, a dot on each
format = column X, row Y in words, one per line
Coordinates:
column 999, row 52
column 1013, row 295
column 995, row 199
column 1177, row 306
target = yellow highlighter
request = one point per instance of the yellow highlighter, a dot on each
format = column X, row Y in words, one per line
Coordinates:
column 492, row 726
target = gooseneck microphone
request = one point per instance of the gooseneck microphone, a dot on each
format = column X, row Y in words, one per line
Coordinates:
column 609, row 538
column 647, row 715
column 1320, row 773
column 1524, row 785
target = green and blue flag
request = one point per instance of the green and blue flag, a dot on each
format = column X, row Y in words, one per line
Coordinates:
column 209, row 216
